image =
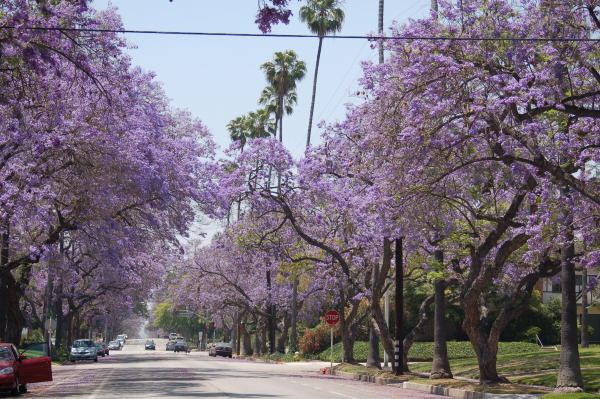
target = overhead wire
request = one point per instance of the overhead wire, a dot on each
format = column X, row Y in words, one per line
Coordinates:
column 302, row 36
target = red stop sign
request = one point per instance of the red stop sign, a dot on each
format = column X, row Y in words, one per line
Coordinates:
column 332, row 317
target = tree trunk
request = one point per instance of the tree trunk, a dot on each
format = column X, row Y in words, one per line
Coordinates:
column 4, row 248
column 271, row 312
column 69, row 325
column 263, row 337
column 440, row 367
column 294, row 321
column 378, row 322
column 283, row 338
column 569, row 374
column 257, row 346
column 434, row 8
column 345, row 326
column 373, row 359
column 585, row 336
column 486, row 348
column 314, row 93
column 246, row 342
column 380, row 30
column 487, row 359
column 417, row 329
column 281, row 121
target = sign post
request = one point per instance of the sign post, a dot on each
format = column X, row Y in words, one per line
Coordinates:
column 332, row 317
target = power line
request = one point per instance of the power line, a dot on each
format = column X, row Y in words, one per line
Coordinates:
column 300, row 36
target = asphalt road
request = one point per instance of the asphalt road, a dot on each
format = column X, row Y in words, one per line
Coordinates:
column 134, row 373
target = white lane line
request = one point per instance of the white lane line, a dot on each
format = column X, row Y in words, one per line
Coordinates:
column 342, row 394
column 100, row 387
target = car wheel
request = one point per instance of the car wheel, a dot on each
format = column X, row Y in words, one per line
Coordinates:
column 96, row 359
column 230, row 356
column 72, row 360
column 23, row 388
column 15, row 391
column 103, row 355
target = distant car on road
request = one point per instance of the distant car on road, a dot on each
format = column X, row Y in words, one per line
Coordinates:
column 114, row 345
column 18, row 370
column 170, row 345
column 100, row 350
column 150, row 345
column 220, row 349
column 122, row 338
column 84, row 349
column 181, row 346
column 173, row 336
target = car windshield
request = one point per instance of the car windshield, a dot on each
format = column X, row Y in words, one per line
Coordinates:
column 113, row 343
column 82, row 344
column 4, row 354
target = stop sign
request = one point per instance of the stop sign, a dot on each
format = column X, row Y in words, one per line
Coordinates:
column 332, row 317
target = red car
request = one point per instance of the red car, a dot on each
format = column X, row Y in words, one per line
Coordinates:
column 18, row 370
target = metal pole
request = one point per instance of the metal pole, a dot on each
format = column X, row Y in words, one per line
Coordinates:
column 331, row 362
column 398, row 369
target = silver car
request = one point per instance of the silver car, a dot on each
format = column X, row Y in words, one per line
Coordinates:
column 83, row 349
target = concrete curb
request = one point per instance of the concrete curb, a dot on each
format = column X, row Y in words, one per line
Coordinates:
column 461, row 393
column 432, row 389
column 369, row 378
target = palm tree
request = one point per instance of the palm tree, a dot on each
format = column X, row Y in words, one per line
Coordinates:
column 322, row 17
column 282, row 74
column 238, row 130
column 252, row 125
column 270, row 99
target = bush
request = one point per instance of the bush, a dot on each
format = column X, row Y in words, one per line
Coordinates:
column 314, row 340
column 530, row 334
column 60, row 356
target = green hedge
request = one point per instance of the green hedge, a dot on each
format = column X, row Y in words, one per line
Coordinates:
column 423, row 351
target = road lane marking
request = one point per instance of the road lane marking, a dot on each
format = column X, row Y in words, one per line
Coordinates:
column 342, row 394
column 100, row 387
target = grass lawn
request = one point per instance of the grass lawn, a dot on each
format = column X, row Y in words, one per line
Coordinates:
column 591, row 379
column 570, row 396
column 521, row 362
column 423, row 351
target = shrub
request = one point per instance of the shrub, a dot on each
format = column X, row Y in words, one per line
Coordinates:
column 314, row 340
column 530, row 334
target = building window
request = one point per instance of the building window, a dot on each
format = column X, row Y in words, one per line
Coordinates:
column 550, row 286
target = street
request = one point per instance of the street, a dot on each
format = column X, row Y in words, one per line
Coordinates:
column 135, row 373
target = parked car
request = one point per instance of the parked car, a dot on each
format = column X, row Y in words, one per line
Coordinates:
column 100, row 350
column 170, row 345
column 220, row 349
column 181, row 346
column 114, row 345
column 150, row 345
column 122, row 338
column 18, row 370
column 83, row 349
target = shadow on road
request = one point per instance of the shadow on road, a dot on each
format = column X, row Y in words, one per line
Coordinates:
column 128, row 383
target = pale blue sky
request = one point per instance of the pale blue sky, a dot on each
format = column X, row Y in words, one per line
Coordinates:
column 218, row 78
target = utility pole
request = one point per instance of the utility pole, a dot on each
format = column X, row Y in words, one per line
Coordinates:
column 398, row 355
